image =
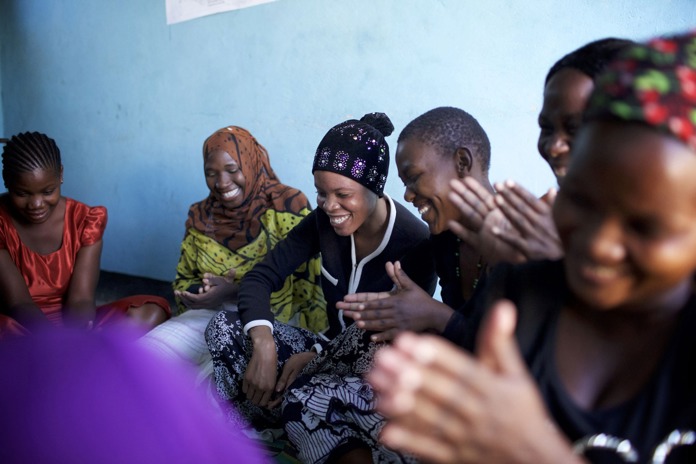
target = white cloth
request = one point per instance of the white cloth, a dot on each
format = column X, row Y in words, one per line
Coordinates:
column 182, row 340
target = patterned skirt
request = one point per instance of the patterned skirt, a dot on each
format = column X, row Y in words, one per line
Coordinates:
column 231, row 351
column 328, row 410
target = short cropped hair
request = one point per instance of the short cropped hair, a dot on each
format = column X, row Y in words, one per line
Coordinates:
column 448, row 129
column 590, row 59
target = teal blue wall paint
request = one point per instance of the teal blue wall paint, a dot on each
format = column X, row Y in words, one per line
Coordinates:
column 130, row 99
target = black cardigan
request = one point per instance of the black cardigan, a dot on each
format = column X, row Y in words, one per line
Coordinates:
column 407, row 241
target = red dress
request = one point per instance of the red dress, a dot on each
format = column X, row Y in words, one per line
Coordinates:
column 48, row 276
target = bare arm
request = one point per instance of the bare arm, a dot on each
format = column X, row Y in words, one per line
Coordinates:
column 17, row 302
column 80, row 305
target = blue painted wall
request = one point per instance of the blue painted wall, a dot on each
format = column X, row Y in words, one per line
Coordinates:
column 130, row 99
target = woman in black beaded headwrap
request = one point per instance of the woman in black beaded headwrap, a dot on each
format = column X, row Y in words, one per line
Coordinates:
column 260, row 362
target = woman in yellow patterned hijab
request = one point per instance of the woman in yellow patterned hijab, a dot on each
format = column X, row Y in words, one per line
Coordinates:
column 246, row 213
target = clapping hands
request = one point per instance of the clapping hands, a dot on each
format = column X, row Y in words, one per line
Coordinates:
column 215, row 291
column 406, row 307
column 446, row 405
column 510, row 225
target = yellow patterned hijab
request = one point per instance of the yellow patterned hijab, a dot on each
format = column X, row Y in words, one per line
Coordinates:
column 235, row 228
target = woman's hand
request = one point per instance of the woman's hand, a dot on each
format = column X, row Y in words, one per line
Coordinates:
column 474, row 202
column 215, row 291
column 407, row 307
column 480, row 219
column 445, row 405
column 534, row 233
column 260, row 376
column 291, row 370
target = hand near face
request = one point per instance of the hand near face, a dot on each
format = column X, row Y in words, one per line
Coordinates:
column 445, row 405
column 473, row 201
column 215, row 291
column 534, row 234
column 407, row 307
column 481, row 220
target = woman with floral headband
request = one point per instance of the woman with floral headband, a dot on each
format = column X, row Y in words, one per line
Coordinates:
column 357, row 229
column 589, row 358
column 512, row 224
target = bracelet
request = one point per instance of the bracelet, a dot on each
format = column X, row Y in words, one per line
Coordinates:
column 622, row 447
column 625, row 450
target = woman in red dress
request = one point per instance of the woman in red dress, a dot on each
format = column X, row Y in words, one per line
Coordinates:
column 50, row 249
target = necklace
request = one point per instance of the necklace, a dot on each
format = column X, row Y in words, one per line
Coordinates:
column 457, row 266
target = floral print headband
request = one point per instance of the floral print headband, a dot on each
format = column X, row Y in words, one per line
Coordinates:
column 653, row 83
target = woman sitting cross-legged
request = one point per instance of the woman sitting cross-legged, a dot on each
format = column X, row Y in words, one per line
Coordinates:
column 50, row 249
column 247, row 212
column 260, row 362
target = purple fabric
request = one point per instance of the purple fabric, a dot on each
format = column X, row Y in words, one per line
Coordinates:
column 78, row 397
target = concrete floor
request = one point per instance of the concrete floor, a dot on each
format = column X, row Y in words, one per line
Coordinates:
column 113, row 285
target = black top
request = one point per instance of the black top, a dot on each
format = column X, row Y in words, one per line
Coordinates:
column 667, row 402
column 445, row 252
column 406, row 240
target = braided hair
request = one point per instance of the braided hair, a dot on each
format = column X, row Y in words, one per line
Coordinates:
column 27, row 152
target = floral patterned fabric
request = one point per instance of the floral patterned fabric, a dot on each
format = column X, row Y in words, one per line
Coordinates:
column 300, row 302
column 652, row 83
column 329, row 406
column 231, row 350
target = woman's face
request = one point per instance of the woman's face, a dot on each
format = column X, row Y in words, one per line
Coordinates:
column 34, row 195
column 224, row 178
column 565, row 97
column 348, row 204
column 626, row 214
column 426, row 174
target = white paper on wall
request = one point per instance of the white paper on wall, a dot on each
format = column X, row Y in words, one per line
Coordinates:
column 183, row 10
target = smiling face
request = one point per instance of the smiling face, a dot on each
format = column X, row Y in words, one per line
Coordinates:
column 426, row 175
column 224, row 178
column 626, row 214
column 34, row 195
column 565, row 96
column 348, row 204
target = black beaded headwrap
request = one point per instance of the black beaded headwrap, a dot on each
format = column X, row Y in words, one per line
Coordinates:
column 357, row 150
